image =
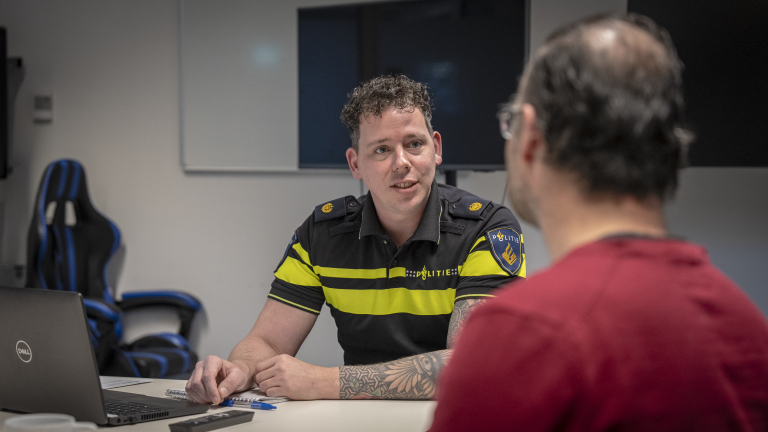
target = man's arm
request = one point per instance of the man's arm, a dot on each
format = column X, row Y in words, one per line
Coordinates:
column 279, row 329
column 461, row 311
column 412, row 377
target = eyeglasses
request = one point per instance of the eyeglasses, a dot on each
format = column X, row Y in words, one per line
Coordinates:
column 506, row 116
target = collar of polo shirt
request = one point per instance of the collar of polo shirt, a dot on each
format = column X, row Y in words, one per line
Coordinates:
column 429, row 226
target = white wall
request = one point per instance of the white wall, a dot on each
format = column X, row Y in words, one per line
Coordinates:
column 726, row 210
column 112, row 68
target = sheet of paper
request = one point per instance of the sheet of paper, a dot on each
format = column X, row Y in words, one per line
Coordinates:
column 114, row 382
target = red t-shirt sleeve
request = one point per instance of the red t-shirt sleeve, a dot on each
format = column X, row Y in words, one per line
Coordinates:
column 510, row 371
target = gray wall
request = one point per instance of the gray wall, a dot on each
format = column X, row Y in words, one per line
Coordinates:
column 112, row 68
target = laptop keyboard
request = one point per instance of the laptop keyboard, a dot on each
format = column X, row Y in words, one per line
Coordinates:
column 122, row 408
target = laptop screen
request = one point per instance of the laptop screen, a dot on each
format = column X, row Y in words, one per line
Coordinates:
column 48, row 363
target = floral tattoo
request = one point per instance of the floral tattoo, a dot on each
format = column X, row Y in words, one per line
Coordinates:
column 412, row 377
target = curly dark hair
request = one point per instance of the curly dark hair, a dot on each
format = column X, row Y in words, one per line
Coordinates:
column 608, row 95
column 374, row 96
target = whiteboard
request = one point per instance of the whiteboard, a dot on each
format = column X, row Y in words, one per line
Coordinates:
column 239, row 84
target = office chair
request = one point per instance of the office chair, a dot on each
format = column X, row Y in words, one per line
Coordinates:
column 68, row 248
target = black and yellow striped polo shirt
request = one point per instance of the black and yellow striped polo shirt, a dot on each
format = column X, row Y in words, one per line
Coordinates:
column 391, row 303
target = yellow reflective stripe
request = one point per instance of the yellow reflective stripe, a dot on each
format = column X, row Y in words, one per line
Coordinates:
column 474, row 295
column 391, row 301
column 481, row 263
column 302, row 253
column 521, row 272
column 296, row 273
column 379, row 273
column 397, row 272
column 476, row 243
column 292, row 303
column 345, row 273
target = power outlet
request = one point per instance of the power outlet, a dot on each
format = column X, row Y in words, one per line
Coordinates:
column 42, row 112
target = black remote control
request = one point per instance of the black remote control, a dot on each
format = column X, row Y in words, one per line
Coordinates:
column 213, row 421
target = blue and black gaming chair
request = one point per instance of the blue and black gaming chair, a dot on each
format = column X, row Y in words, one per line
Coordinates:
column 69, row 246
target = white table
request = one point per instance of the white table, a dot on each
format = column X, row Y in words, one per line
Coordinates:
column 309, row 416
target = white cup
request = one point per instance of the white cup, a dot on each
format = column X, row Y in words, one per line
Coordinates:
column 46, row 423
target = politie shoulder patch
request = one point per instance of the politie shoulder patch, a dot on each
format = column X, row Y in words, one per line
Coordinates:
column 287, row 249
column 506, row 247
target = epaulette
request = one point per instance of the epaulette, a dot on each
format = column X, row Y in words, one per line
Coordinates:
column 469, row 207
column 336, row 208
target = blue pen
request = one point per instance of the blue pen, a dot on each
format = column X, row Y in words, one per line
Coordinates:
column 243, row 404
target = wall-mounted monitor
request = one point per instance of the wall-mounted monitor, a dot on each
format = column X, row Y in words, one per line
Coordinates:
column 11, row 76
column 4, row 106
column 470, row 53
column 725, row 81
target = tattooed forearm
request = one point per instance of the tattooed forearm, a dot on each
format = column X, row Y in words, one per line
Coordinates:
column 408, row 378
column 461, row 311
column 412, row 377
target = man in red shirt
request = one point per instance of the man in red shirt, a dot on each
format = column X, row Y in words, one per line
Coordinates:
column 629, row 329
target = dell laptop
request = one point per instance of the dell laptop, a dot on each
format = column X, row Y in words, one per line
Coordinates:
column 48, row 364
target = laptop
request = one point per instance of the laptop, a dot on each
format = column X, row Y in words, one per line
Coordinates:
column 48, row 364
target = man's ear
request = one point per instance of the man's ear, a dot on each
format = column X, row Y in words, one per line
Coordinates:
column 352, row 161
column 437, row 141
column 532, row 145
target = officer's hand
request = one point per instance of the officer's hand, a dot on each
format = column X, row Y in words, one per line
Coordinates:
column 283, row 375
column 216, row 378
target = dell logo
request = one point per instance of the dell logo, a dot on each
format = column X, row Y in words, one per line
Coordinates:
column 23, row 351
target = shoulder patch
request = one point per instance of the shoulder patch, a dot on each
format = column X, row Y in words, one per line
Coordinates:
column 293, row 241
column 506, row 247
column 469, row 207
column 331, row 210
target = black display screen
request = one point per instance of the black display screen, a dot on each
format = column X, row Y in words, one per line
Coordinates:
column 723, row 47
column 470, row 53
column 4, row 107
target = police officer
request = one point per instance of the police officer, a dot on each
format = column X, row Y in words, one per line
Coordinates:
column 400, row 268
